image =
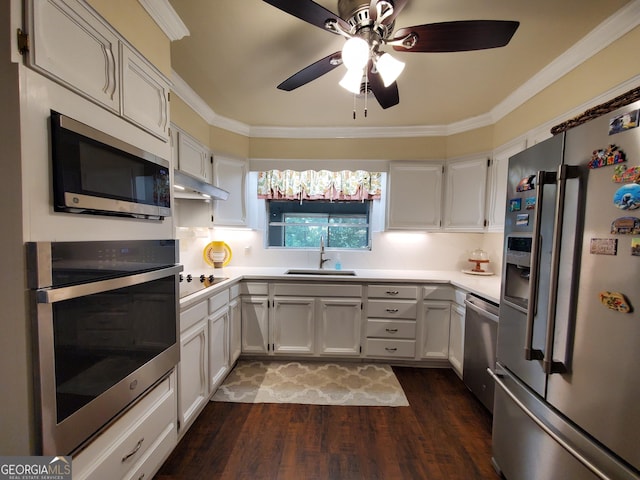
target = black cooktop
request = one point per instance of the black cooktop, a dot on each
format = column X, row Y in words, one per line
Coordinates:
column 192, row 283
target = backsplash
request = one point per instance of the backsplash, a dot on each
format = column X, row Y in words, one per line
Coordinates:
column 390, row 250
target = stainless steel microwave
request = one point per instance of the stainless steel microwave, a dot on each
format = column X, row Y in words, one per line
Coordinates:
column 98, row 174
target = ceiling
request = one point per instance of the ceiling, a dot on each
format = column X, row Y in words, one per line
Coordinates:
column 239, row 51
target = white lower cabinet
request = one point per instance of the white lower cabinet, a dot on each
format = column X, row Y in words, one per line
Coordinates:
column 218, row 347
column 235, row 326
column 292, row 323
column 193, row 369
column 456, row 338
column 339, row 324
column 254, row 305
column 137, row 444
column 435, row 330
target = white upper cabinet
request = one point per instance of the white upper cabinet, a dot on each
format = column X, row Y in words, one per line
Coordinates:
column 145, row 94
column 230, row 174
column 497, row 195
column 414, row 196
column 465, row 194
column 193, row 157
column 72, row 45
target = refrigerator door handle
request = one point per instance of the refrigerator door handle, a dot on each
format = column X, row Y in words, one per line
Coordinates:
column 543, row 178
column 548, row 364
column 549, row 431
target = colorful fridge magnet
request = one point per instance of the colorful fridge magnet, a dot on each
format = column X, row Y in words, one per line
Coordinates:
column 626, row 225
column 621, row 174
column 615, row 301
column 607, row 156
column 627, row 197
column 530, row 203
column 603, row 246
column 635, row 247
column 515, row 205
column 522, row 219
column 527, row 183
column 623, row 122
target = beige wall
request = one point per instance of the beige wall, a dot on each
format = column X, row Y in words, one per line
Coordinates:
column 188, row 120
column 134, row 23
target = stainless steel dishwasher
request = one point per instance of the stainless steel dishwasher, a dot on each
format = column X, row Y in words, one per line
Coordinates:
column 480, row 335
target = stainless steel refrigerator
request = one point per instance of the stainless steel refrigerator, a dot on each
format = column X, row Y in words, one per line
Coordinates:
column 567, row 401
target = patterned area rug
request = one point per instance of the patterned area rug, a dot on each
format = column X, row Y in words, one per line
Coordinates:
column 314, row 383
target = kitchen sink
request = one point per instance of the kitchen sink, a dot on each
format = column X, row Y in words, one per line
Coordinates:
column 314, row 271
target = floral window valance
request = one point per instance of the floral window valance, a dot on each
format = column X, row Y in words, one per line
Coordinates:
column 319, row 185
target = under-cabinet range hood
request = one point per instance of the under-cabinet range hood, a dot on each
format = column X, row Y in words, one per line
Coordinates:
column 188, row 186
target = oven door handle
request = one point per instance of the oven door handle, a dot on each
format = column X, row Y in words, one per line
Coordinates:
column 53, row 295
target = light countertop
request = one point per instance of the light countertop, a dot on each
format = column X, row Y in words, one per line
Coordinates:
column 487, row 287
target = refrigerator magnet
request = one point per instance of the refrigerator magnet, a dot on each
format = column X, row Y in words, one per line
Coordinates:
column 607, row 156
column 526, row 184
column 627, row 197
column 635, row 247
column 626, row 225
column 603, row 246
column 621, row 174
column 615, row 301
column 530, row 203
column 515, row 205
column 623, row 122
column 522, row 219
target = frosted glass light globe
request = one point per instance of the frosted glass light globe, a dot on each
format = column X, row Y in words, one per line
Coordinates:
column 355, row 53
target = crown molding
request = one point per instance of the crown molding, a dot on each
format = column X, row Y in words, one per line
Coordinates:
column 613, row 28
column 166, row 18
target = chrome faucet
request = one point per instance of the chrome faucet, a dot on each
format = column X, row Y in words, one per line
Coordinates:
column 322, row 259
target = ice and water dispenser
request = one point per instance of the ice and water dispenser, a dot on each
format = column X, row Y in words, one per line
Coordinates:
column 517, row 270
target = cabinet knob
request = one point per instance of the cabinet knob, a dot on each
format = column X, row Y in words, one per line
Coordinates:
column 392, row 310
column 389, row 349
column 392, row 292
column 391, row 330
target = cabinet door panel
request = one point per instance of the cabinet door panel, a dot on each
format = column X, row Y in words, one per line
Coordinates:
column 340, row 320
column 435, row 330
column 255, row 324
column 193, row 391
column 73, row 47
column 218, row 348
column 231, row 175
column 456, row 338
column 193, row 157
column 235, row 331
column 466, row 195
column 293, row 321
column 145, row 95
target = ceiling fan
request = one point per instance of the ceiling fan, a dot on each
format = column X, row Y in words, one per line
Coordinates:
column 368, row 25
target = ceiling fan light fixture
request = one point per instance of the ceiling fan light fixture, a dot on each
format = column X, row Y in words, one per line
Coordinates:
column 389, row 68
column 355, row 53
column 352, row 80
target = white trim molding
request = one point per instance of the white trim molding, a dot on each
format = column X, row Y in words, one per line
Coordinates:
column 613, row 28
column 166, row 18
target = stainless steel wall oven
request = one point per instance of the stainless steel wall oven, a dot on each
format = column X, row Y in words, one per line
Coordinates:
column 105, row 330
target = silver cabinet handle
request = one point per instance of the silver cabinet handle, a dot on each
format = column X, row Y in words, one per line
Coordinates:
column 134, row 451
column 392, row 310
column 391, row 330
column 543, row 178
column 390, row 349
column 392, row 292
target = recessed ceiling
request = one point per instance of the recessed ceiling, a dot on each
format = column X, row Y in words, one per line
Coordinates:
column 239, row 51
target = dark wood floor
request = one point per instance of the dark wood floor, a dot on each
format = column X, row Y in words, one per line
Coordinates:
column 445, row 434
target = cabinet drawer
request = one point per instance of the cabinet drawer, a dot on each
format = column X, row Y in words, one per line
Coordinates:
column 218, row 301
column 378, row 347
column 151, row 462
column 392, row 308
column 234, row 291
column 317, row 289
column 134, row 436
column 459, row 296
column 391, row 328
column 193, row 315
column 254, row 288
column 437, row 292
column 393, row 291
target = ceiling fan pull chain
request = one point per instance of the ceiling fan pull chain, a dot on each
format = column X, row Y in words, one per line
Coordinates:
column 366, row 91
column 354, row 106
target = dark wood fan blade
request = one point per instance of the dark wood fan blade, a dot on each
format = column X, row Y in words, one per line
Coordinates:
column 310, row 12
column 386, row 96
column 313, row 71
column 458, row 36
